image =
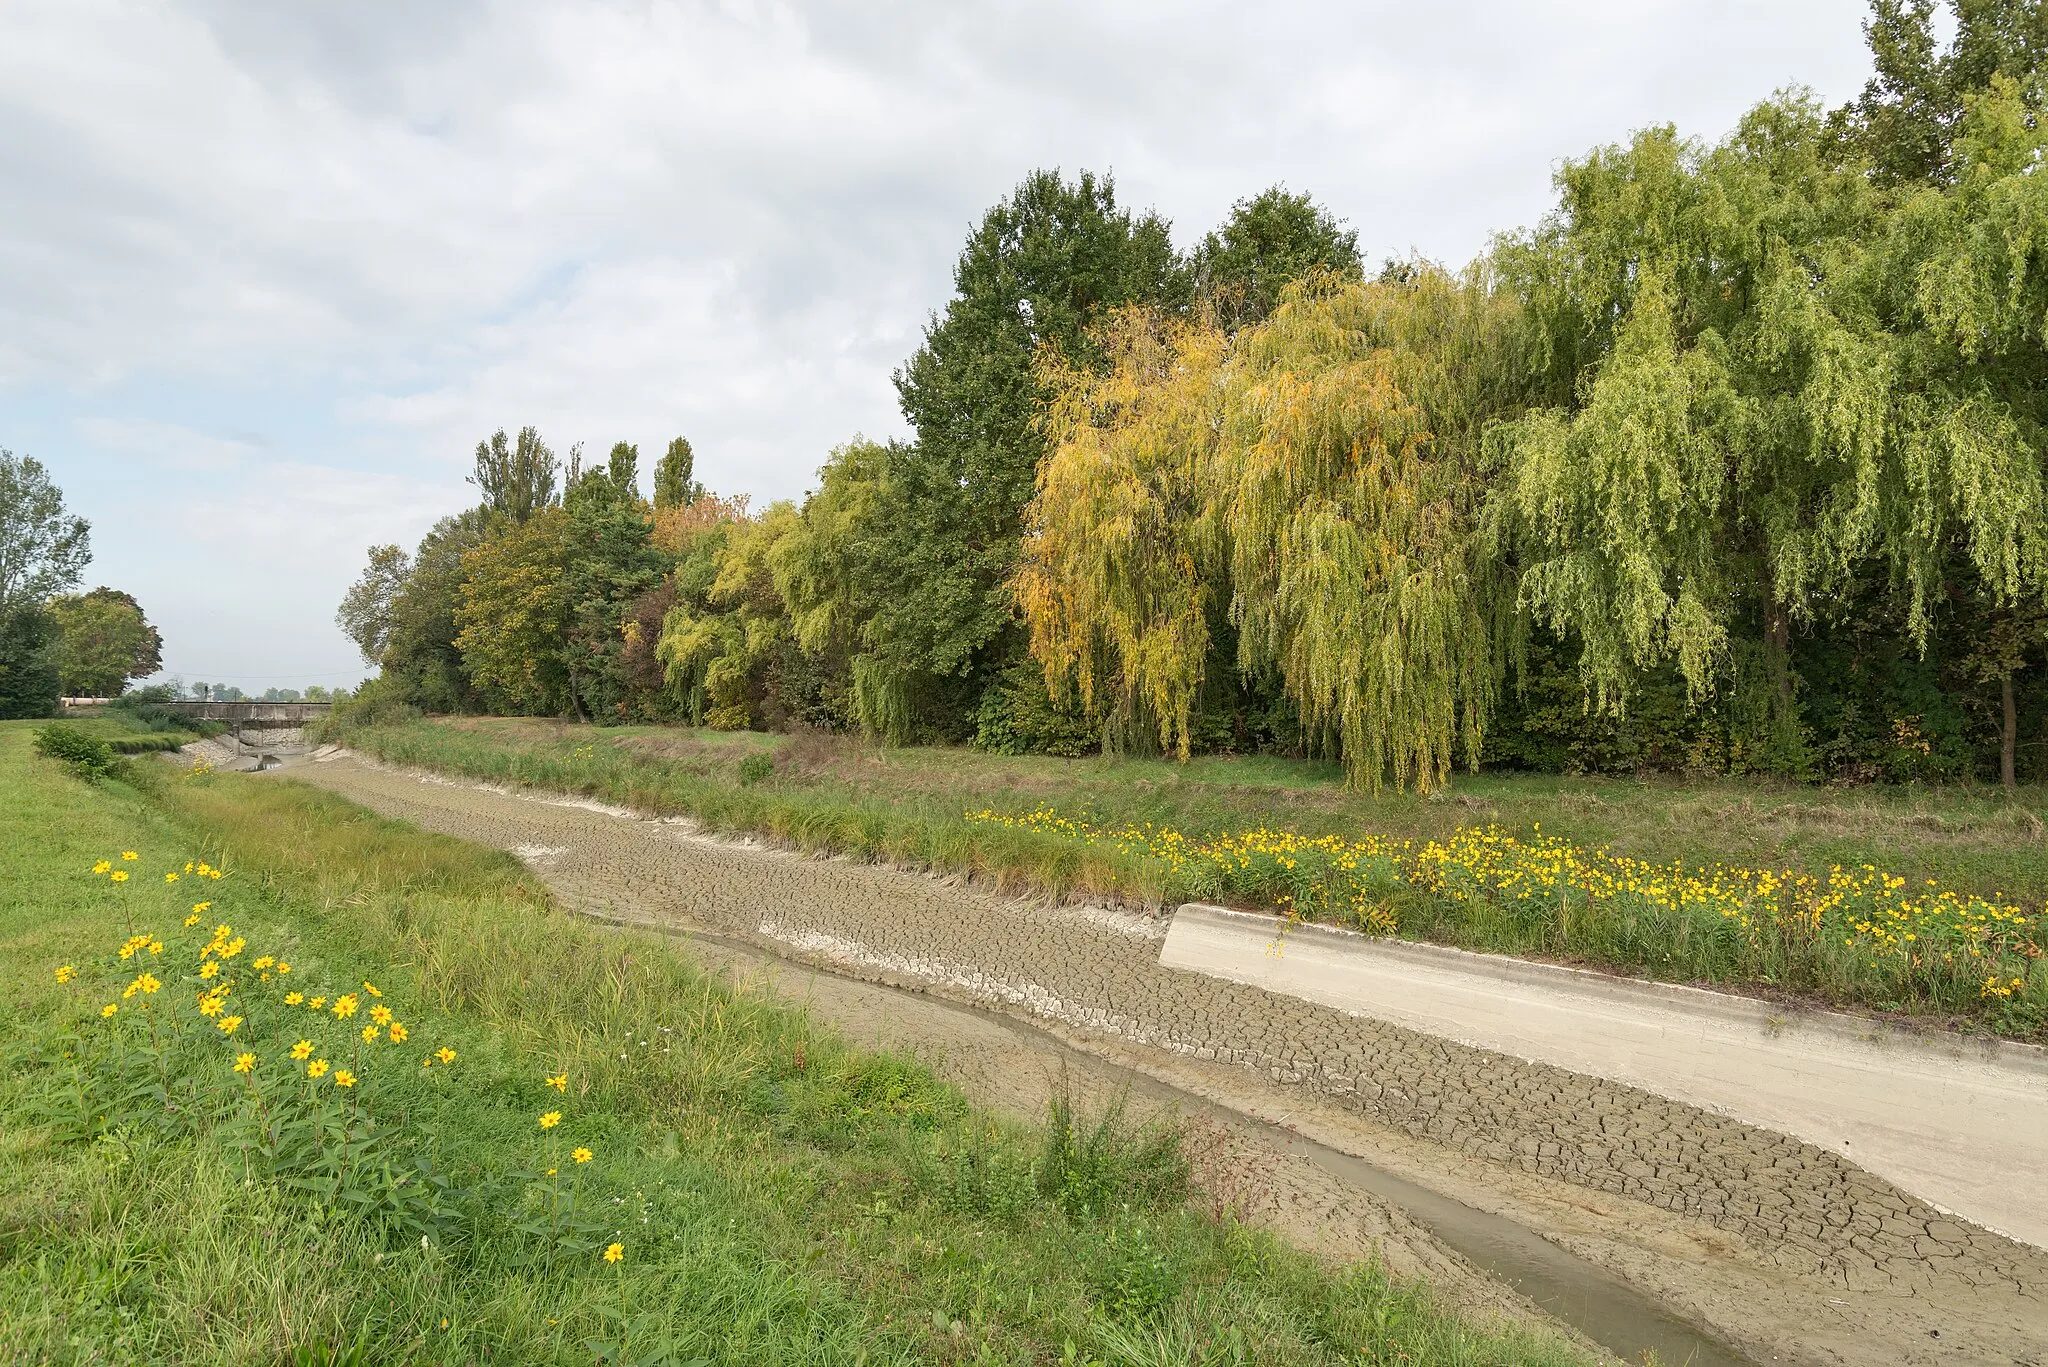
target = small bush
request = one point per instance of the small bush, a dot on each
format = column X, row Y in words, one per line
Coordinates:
column 379, row 702
column 1094, row 1170
column 1135, row 1276
column 149, row 710
column 754, row 768
column 84, row 754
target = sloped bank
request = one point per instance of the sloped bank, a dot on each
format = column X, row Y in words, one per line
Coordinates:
column 1955, row 1121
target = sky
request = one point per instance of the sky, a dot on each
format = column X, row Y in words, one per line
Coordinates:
column 268, row 273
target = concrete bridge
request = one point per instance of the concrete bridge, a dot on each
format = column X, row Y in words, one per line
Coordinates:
column 252, row 714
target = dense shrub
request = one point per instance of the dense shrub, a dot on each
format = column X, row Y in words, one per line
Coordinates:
column 85, row 754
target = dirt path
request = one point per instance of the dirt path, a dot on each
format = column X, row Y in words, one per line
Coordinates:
column 1790, row 1253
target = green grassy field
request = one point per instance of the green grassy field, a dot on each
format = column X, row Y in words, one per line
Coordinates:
column 177, row 1186
column 1932, row 911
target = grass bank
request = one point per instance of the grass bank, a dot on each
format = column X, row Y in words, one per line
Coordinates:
column 1917, row 902
column 303, row 1084
column 124, row 737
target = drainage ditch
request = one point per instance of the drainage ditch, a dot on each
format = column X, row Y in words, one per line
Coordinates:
column 1593, row 1301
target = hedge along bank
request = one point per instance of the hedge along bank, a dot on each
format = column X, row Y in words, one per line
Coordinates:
column 1854, row 934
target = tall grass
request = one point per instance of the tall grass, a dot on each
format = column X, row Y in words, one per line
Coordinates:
column 1759, row 926
column 778, row 1197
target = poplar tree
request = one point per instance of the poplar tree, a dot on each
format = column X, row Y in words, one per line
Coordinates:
column 516, row 478
column 674, row 485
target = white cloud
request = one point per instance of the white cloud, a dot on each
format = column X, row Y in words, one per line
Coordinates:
column 363, row 236
column 176, row 447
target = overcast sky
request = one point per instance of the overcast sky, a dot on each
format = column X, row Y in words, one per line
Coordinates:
column 268, row 271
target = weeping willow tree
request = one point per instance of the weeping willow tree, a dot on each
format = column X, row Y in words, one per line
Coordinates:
column 1121, row 559
column 713, row 652
column 1771, row 377
column 1349, row 488
column 1318, row 470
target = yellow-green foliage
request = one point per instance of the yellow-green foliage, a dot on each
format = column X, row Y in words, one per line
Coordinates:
column 1317, row 475
column 713, row 654
column 514, row 610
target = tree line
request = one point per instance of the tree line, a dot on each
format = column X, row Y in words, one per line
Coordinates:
column 1734, row 462
column 55, row 643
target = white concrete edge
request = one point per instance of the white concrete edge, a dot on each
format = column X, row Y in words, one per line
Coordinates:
column 1731, row 1008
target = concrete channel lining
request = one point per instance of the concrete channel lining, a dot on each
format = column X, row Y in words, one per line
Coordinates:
column 1960, row 1122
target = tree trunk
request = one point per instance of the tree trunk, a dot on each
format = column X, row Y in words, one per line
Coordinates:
column 1778, row 653
column 2009, row 737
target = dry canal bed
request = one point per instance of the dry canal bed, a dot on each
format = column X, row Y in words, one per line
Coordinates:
column 1783, row 1250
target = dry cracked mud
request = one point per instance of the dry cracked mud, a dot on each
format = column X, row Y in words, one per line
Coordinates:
column 1789, row 1253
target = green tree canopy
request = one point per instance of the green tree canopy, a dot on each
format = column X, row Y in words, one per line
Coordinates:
column 514, row 612
column 105, row 642
column 43, row 549
column 1268, row 242
column 365, row 612
column 1777, row 378
column 1321, row 470
column 1906, row 121
column 674, row 482
column 517, row 478
column 614, row 562
column 1040, row 268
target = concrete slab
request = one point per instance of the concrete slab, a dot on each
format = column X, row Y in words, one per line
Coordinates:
column 1961, row 1123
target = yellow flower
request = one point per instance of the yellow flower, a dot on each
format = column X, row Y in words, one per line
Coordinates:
column 344, row 1006
column 316, row 1068
column 283, row 967
column 192, row 920
column 446, row 1055
column 198, row 908
column 108, row 1010
column 371, row 989
column 380, row 1014
column 66, row 973
column 156, row 946
column 209, row 1005
column 170, row 878
column 264, row 962
column 344, row 1078
column 188, row 866
column 397, row 1032
column 550, row 1120
column 549, row 1173
column 615, row 1253
column 301, row 1050
column 582, row 1155
column 227, row 1025
column 315, row 1003
column 119, row 875
column 128, row 854
column 233, row 947
column 560, row 1082
column 209, row 969
column 294, row 998
column 369, row 1034
column 101, row 867
column 245, row 1063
